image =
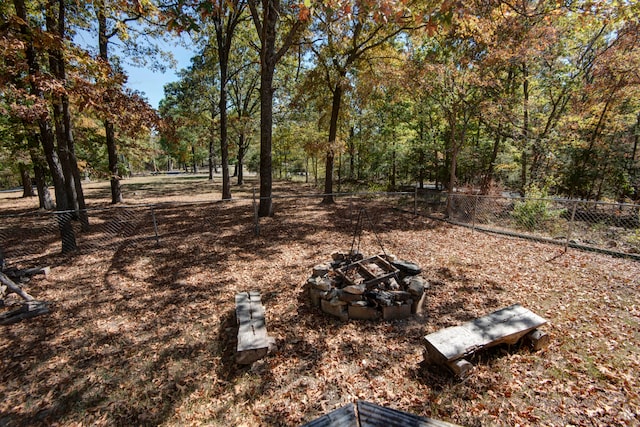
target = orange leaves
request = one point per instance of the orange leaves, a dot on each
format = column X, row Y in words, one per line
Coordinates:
column 304, row 12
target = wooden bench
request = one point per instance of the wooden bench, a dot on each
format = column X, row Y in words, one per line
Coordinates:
column 449, row 346
column 253, row 341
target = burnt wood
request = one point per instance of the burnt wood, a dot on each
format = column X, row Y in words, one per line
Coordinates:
column 362, row 269
column 18, row 274
column 27, row 310
column 9, row 285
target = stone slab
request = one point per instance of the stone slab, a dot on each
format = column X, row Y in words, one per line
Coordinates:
column 339, row 311
column 507, row 325
column 396, row 312
column 363, row 313
column 253, row 341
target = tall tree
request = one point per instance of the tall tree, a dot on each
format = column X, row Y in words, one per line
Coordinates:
column 225, row 16
column 246, row 101
column 56, row 27
column 191, row 105
column 113, row 19
column 104, row 34
column 267, row 16
column 28, row 37
column 341, row 38
column 188, row 122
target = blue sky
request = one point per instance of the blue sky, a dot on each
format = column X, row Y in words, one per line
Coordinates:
column 152, row 82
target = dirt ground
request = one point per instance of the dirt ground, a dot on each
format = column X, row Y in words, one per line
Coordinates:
column 142, row 332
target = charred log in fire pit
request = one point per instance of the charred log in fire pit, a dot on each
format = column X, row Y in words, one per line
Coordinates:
column 354, row 287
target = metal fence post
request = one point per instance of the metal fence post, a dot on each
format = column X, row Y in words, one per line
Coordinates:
column 351, row 207
column 155, row 225
column 256, row 218
column 570, row 230
column 473, row 213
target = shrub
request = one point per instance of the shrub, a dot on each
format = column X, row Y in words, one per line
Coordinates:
column 634, row 240
column 533, row 211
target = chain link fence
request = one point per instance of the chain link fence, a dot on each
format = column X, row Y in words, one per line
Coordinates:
column 29, row 237
column 612, row 228
column 603, row 227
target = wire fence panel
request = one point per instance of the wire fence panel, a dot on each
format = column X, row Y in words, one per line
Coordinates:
column 38, row 234
column 353, row 222
column 604, row 227
column 596, row 226
column 27, row 237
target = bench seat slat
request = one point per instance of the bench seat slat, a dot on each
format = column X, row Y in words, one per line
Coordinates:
column 250, row 314
column 503, row 326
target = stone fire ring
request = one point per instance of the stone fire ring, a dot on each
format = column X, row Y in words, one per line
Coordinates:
column 354, row 287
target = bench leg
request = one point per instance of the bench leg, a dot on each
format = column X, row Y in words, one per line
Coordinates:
column 538, row 339
column 461, row 367
column 247, row 357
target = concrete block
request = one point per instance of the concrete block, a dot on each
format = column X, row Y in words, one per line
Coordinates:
column 321, row 270
column 363, row 313
column 314, row 296
column 396, row 312
column 338, row 310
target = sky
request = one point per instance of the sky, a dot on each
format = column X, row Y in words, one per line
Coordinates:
column 152, row 82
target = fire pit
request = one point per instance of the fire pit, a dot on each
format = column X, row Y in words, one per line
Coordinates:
column 354, row 287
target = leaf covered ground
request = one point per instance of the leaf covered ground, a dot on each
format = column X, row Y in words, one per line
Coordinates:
column 143, row 333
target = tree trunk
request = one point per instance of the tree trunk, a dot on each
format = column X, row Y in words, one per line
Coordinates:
column 267, row 28
column 392, row 182
column 116, row 190
column 339, row 171
column 44, row 195
column 47, row 140
column 306, row 169
column 488, row 177
column 27, row 185
column 421, row 169
column 39, row 171
column 225, row 20
column 224, row 143
column 267, row 64
column 352, row 153
column 452, row 171
column 421, row 154
column 525, row 129
column 315, row 170
column 241, row 152
column 194, row 163
column 73, row 162
column 212, row 143
column 56, row 66
column 636, row 139
column 56, row 25
column 457, row 142
column 333, row 132
column 112, row 150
